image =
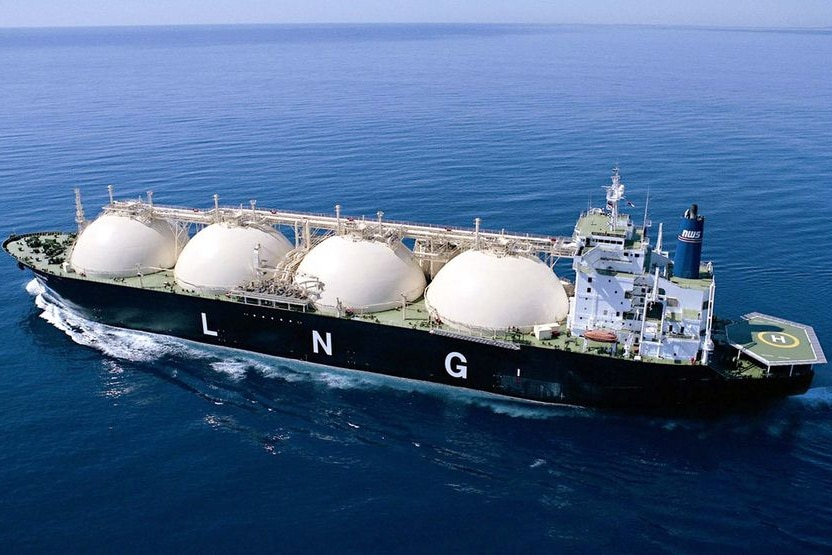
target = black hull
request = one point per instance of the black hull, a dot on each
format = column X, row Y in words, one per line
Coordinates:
column 527, row 372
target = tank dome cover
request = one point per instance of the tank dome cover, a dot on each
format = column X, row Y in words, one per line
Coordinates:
column 222, row 256
column 362, row 274
column 120, row 246
column 483, row 290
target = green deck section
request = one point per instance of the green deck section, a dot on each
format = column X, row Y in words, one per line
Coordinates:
column 597, row 224
column 51, row 255
column 774, row 341
column 703, row 282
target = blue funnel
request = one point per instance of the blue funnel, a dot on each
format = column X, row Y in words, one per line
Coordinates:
column 689, row 244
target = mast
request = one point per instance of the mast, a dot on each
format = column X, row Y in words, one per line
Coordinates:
column 708, row 343
column 615, row 192
column 79, row 211
column 338, row 219
column 659, row 245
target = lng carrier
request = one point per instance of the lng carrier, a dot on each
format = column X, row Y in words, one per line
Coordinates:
column 463, row 307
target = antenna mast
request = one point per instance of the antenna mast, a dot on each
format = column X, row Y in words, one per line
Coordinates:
column 646, row 221
column 615, row 192
column 79, row 211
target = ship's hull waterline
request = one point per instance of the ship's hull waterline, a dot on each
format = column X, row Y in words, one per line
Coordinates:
column 520, row 371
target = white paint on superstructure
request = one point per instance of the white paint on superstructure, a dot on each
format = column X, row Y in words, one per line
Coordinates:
column 625, row 286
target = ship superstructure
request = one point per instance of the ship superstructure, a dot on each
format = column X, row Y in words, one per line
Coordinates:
column 464, row 307
column 630, row 290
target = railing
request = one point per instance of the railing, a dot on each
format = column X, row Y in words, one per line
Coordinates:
column 476, row 339
column 541, row 244
column 270, row 301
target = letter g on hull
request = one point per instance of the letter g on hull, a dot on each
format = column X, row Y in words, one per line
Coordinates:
column 456, row 365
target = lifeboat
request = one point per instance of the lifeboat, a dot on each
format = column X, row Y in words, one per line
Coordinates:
column 603, row 336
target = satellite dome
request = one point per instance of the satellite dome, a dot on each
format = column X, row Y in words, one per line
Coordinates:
column 119, row 246
column 484, row 290
column 222, row 256
column 362, row 274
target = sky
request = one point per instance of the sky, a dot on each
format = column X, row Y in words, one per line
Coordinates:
column 723, row 13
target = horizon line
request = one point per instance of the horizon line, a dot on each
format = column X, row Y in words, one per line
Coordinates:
column 725, row 27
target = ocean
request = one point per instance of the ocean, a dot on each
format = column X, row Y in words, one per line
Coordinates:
column 117, row 441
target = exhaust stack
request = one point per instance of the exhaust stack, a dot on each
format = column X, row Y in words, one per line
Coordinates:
column 689, row 244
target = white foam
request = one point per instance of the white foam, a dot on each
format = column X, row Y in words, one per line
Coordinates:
column 115, row 342
column 137, row 346
column 337, row 380
column 526, row 409
column 233, row 368
column 283, row 373
column 35, row 287
column 816, row 397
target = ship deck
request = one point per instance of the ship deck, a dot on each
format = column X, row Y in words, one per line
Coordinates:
column 415, row 314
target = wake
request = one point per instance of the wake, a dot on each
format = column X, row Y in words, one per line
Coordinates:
column 114, row 342
column 817, row 398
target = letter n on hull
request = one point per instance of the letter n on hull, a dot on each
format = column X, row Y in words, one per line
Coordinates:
column 319, row 342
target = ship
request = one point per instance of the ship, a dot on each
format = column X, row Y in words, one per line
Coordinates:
column 627, row 327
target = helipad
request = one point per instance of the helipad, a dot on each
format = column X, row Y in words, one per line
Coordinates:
column 774, row 341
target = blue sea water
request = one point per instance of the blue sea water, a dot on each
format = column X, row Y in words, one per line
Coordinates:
column 112, row 440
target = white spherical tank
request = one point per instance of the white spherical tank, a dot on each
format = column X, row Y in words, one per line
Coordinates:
column 121, row 246
column 363, row 275
column 483, row 290
column 222, row 256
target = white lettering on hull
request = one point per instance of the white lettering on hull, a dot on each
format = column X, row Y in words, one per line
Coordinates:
column 205, row 329
column 458, row 370
column 319, row 342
